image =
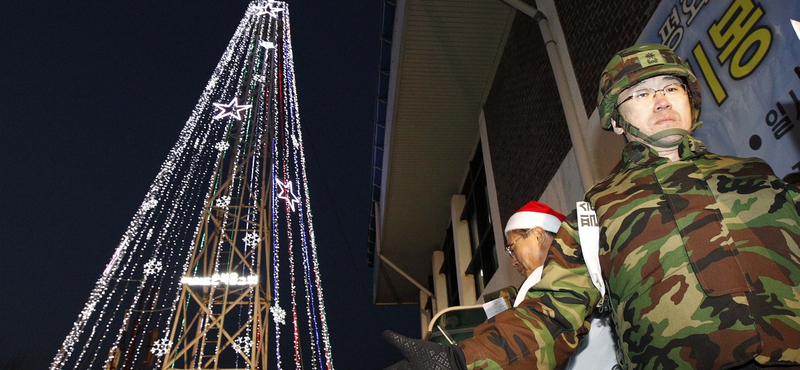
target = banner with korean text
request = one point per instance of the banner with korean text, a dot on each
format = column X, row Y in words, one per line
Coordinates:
column 746, row 54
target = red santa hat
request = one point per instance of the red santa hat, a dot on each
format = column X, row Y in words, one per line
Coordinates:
column 535, row 214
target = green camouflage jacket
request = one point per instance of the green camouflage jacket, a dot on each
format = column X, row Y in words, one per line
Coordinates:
column 701, row 259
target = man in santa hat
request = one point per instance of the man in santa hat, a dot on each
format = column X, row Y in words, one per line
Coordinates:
column 529, row 233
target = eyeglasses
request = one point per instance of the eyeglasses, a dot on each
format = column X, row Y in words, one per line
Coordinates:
column 642, row 95
column 510, row 245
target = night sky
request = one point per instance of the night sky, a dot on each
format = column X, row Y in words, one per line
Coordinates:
column 93, row 95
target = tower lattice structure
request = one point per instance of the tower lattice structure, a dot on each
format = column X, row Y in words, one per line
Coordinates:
column 218, row 268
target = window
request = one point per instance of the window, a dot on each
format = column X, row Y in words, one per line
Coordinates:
column 478, row 214
column 449, row 268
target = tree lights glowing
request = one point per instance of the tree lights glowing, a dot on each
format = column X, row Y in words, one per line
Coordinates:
column 231, row 109
column 218, row 267
column 220, row 279
column 287, row 194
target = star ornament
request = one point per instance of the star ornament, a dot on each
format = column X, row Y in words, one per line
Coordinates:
column 223, row 201
column 272, row 8
column 278, row 314
column 259, row 9
column 152, row 267
column 243, row 344
column 251, row 239
column 161, row 347
column 222, row 146
column 287, row 194
column 231, row 109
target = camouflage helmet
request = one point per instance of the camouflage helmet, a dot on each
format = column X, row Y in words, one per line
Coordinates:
column 634, row 64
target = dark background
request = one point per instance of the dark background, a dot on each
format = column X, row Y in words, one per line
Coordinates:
column 93, row 95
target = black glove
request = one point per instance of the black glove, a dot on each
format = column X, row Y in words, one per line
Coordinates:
column 423, row 355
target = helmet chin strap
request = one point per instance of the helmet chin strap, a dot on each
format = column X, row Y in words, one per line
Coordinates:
column 657, row 139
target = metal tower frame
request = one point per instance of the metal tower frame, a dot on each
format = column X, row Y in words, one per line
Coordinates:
column 201, row 331
column 195, row 280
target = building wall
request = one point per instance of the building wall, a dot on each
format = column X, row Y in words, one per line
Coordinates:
column 564, row 188
column 594, row 31
column 524, row 131
column 527, row 131
column 528, row 141
column 526, row 128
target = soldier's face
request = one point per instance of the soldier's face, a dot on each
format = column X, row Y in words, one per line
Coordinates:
column 653, row 115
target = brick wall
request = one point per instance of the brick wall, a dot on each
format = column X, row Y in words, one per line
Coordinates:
column 527, row 131
column 594, row 31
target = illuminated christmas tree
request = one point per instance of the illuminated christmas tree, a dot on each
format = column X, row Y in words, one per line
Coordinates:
column 218, row 268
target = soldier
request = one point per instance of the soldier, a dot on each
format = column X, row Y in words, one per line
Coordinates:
column 700, row 253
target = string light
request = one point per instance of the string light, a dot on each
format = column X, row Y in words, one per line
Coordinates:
column 234, row 182
column 220, row 279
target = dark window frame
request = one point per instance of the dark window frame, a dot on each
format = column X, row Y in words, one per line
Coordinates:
column 477, row 213
column 449, row 268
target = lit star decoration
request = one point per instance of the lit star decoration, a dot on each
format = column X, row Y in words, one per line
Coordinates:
column 152, row 267
column 251, row 239
column 278, row 314
column 272, row 8
column 223, row 201
column 161, row 347
column 287, row 194
column 259, row 9
column 243, row 344
column 231, row 109
column 222, row 146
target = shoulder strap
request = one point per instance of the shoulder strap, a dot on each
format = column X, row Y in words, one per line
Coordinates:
column 589, row 232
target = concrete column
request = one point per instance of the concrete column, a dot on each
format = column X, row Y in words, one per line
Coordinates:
column 505, row 275
column 439, row 282
column 463, row 250
column 424, row 316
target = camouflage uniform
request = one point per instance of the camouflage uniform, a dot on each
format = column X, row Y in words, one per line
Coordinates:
column 701, row 259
